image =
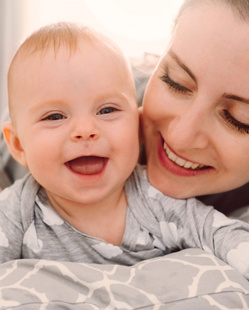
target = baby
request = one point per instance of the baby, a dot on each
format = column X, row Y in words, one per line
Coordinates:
column 74, row 124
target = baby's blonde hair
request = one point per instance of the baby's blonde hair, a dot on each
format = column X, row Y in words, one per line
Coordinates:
column 62, row 33
column 57, row 35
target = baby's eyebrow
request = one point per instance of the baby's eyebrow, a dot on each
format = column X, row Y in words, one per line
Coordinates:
column 182, row 65
column 235, row 97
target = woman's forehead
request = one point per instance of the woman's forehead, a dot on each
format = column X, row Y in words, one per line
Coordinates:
column 213, row 30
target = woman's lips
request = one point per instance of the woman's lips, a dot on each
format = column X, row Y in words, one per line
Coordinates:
column 180, row 161
column 87, row 165
column 178, row 165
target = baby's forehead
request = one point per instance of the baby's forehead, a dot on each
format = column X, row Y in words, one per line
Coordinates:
column 68, row 49
column 34, row 64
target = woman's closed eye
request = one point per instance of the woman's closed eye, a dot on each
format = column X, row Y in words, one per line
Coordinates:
column 176, row 87
column 239, row 126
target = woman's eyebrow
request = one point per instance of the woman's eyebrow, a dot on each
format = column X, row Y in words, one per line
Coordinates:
column 182, row 65
column 236, row 98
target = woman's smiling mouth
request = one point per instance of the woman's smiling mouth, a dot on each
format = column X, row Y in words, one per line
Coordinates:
column 177, row 165
column 180, row 161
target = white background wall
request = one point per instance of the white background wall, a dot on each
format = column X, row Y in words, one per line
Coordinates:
column 137, row 25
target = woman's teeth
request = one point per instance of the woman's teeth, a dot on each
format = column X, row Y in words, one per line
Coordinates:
column 179, row 161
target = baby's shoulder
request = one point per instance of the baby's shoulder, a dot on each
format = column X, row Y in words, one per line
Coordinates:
column 18, row 199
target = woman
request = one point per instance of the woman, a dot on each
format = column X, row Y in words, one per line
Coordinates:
column 196, row 105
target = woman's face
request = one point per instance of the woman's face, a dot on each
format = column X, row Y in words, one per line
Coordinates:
column 196, row 106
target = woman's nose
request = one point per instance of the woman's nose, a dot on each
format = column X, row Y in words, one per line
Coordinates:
column 189, row 130
column 85, row 129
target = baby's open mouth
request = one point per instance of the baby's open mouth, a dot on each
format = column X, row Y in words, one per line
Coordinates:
column 87, row 165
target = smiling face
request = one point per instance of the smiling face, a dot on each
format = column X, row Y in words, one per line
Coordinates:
column 75, row 122
column 196, row 106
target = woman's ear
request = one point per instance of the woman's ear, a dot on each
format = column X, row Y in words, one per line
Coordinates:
column 14, row 143
column 140, row 111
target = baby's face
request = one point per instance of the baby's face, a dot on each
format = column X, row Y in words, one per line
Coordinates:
column 77, row 121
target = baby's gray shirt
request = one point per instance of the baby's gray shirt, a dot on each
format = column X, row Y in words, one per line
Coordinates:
column 155, row 225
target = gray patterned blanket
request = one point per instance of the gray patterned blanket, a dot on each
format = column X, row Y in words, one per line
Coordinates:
column 189, row 279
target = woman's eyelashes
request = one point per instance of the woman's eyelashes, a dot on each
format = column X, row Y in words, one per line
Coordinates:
column 241, row 127
column 176, row 87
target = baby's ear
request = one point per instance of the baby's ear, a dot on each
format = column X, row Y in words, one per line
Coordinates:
column 14, row 143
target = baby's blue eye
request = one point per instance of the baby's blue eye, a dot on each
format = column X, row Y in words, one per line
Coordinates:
column 53, row 117
column 107, row 110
